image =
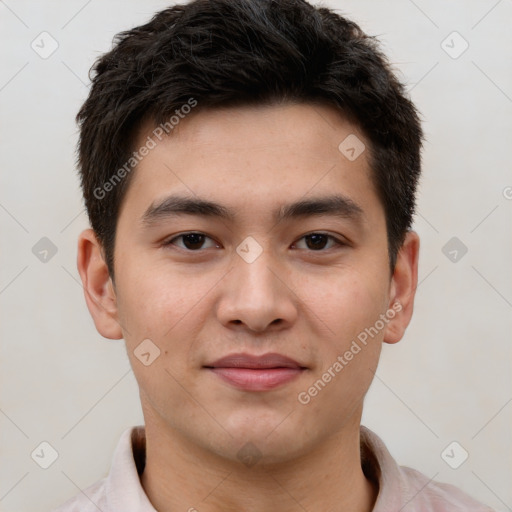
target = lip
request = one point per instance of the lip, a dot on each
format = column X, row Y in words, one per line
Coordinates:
column 256, row 373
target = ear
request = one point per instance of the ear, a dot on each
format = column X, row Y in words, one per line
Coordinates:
column 98, row 288
column 403, row 288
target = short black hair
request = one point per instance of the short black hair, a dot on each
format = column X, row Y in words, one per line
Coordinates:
column 222, row 53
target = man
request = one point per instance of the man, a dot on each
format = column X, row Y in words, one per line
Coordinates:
column 249, row 169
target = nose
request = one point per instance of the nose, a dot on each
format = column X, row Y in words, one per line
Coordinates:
column 257, row 296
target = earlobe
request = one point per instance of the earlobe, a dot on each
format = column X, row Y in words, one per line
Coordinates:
column 98, row 290
column 403, row 288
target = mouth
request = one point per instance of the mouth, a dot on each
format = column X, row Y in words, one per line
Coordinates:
column 256, row 373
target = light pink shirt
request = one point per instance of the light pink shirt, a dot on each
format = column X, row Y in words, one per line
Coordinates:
column 400, row 488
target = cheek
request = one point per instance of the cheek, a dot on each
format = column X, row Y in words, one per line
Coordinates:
column 171, row 307
column 155, row 300
column 347, row 354
column 346, row 302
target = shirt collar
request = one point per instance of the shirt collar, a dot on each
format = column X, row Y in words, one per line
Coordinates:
column 378, row 465
column 124, row 490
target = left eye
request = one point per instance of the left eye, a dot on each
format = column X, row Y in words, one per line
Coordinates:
column 192, row 241
column 319, row 241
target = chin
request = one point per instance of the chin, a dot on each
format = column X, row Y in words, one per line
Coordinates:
column 257, row 440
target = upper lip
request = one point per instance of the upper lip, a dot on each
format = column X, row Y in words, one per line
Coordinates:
column 242, row 360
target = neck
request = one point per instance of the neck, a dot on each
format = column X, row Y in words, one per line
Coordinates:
column 179, row 475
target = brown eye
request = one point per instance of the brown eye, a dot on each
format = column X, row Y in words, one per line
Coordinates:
column 316, row 241
column 191, row 241
column 319, row 241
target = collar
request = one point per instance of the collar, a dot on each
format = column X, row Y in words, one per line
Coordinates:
column 124, row 490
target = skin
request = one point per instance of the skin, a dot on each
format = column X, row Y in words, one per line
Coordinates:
column 199, row 305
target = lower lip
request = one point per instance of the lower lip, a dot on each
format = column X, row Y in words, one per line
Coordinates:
column 262, row 379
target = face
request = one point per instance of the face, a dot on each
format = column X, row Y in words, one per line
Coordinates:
column 251, row 255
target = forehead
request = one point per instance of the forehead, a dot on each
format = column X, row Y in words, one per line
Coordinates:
column 308, row 130
column 250, row 156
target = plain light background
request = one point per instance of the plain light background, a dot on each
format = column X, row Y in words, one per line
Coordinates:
column 448, row 380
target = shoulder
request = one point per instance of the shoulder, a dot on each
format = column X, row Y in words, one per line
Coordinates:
column 91, row 499
column 121, row 488
column 429, row 495
column 406, row 489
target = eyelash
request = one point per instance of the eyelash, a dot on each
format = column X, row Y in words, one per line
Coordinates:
column 336, row 241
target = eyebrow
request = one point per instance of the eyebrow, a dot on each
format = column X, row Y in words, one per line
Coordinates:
column 175, row 205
